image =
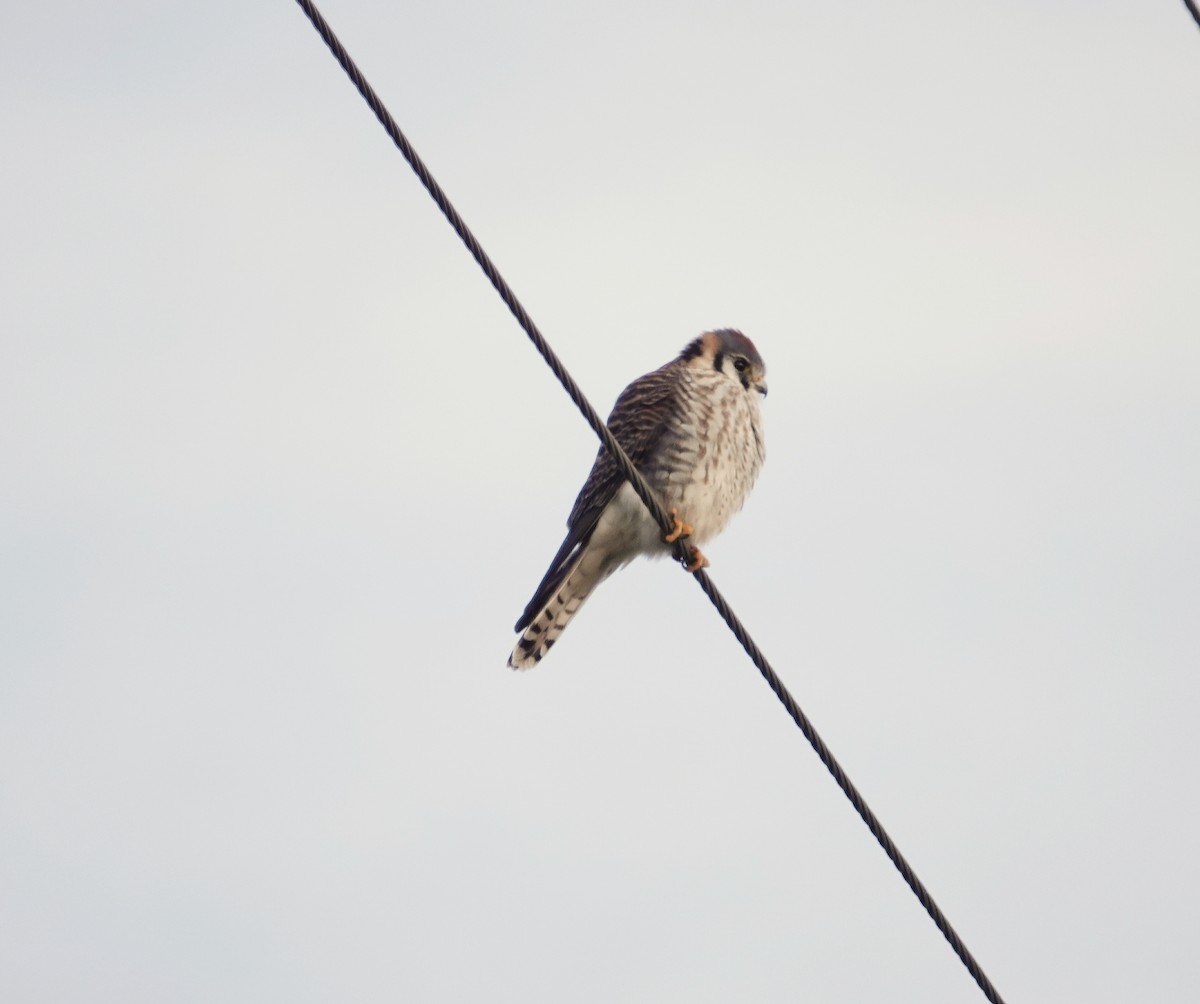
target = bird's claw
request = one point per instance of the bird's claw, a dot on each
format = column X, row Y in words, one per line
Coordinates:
column 681, row 528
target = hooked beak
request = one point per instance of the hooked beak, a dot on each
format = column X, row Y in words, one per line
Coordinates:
column 761, row 388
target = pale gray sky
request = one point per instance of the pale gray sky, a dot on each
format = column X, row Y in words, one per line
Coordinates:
column 278, row 472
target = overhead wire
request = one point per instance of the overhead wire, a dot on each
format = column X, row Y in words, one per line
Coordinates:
column 646, row 494
column 1193, row 10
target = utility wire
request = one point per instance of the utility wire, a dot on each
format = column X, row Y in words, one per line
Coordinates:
column 1193, row 9
column 646, row 494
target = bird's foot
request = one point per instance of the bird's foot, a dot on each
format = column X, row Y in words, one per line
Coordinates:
column 681, row 528
column 698, row 561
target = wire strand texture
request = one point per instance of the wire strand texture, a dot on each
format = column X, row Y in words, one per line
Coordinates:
column 648, row 497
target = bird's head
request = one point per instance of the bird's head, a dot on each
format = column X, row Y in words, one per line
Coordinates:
column 731, row 353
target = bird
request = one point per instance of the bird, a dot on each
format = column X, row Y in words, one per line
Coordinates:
column 693, row 428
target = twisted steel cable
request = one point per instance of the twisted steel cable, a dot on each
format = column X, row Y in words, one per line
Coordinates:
column 683, row 552
column 1193, row 10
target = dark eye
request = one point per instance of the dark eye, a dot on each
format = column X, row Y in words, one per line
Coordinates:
column 740, row 365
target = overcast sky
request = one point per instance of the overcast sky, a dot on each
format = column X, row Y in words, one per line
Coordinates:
column 278, row 472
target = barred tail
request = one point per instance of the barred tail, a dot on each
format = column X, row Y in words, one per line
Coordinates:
column 581, row 577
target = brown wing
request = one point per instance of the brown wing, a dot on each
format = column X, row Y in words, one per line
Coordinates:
column 637, row 421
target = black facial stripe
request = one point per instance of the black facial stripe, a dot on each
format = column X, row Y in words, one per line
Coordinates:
column 719, row 360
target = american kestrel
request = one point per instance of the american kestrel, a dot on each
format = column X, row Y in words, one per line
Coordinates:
column 693, row 428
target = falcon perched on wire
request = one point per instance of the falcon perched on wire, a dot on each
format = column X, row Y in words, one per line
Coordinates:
column 693, row 428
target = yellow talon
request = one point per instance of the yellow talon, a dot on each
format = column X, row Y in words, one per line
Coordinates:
column 698, row 561
column 681, row 528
